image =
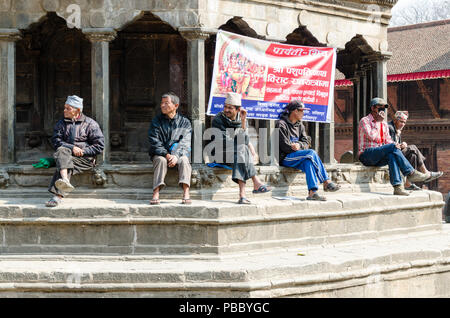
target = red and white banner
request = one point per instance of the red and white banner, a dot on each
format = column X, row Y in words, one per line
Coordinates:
column 268, row 75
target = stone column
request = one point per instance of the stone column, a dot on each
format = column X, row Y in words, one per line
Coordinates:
column 380, row 75
column 363, row 95
column 314, row 133
column 195, row 38
column 326, row 140
column 8, row 38
column 268, row 146
column 100, row 39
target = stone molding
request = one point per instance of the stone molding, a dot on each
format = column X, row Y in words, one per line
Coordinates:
column 100, row 34
column 10, row 35
column 380, row 56
column 192, row 34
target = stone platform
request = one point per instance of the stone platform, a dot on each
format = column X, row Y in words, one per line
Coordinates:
column 135, row 181
column 119, row 226
column 416, row 265
column 105, row 240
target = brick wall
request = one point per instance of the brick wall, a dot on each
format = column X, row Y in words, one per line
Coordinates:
column 443, row 158
column 341, row 146
column 444, row 95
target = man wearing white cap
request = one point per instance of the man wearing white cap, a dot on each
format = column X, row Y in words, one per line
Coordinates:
column 77, row 139
column 411, row 152
column 233, row 126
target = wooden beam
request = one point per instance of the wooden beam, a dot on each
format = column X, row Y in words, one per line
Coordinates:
column 423, row 91
column 339, row 112
column 392, row 109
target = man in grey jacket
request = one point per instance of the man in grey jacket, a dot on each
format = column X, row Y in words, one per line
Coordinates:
column 170, row 146
column 77, row 139
column 295, row 152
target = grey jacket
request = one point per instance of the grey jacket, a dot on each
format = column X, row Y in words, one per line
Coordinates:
column 290, row 133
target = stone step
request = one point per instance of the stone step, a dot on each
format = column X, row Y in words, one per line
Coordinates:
column 416, row 265
column 136, row 181
column 220, row 227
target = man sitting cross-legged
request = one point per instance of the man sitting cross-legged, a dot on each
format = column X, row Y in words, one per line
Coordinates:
column 77, row 139
column 376, row 148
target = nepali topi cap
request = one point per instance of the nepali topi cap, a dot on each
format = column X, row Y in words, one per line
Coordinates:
column 75, row 101
column 233, row 99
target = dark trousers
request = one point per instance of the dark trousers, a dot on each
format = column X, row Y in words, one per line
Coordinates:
column 414, row 156
column 74, row 165
column 242, row 165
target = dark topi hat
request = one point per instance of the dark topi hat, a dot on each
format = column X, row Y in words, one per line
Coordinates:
column 378, row 101
column 295, row 104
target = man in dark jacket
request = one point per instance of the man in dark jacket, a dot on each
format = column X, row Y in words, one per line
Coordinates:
column 411, row 152
column 77, row 139
column 295, row 152
column 170, row 146
column 232, row 124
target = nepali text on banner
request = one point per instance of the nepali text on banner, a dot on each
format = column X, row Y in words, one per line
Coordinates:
column 269, row 75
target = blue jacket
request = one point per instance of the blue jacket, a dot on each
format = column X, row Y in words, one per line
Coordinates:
column 170, row 136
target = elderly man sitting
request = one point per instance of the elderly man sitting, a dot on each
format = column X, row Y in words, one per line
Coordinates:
column 411, row 152
column 232, row 126
column 77, row 139
column 376, row 148
column 170, row 145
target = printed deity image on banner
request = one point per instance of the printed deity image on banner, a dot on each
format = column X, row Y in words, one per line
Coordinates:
column 241, row 70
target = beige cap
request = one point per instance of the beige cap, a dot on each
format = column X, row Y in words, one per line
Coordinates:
column 233, row 99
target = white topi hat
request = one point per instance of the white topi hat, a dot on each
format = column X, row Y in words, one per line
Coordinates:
column 233, row 99
column 75, row 101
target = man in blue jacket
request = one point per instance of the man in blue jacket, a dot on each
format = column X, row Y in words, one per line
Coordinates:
column 170, row 146
column 77, row 139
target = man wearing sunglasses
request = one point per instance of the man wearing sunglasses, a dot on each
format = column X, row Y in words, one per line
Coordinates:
column 411, row 152
column 376, row 148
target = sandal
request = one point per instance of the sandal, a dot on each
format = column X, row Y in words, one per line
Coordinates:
column 263, row 189
column 53, row 202
column 316, row 197
column 186, row 201
column 155, row 202
column 413, row 187
column 244, row 201
column 332, row 187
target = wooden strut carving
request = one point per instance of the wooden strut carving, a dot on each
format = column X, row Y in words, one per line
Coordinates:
column 426, row 95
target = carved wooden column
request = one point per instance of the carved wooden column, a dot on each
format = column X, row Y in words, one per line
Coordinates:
column 100, row 39
column 356, row 114
column 196, row 85
column 8, row 38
